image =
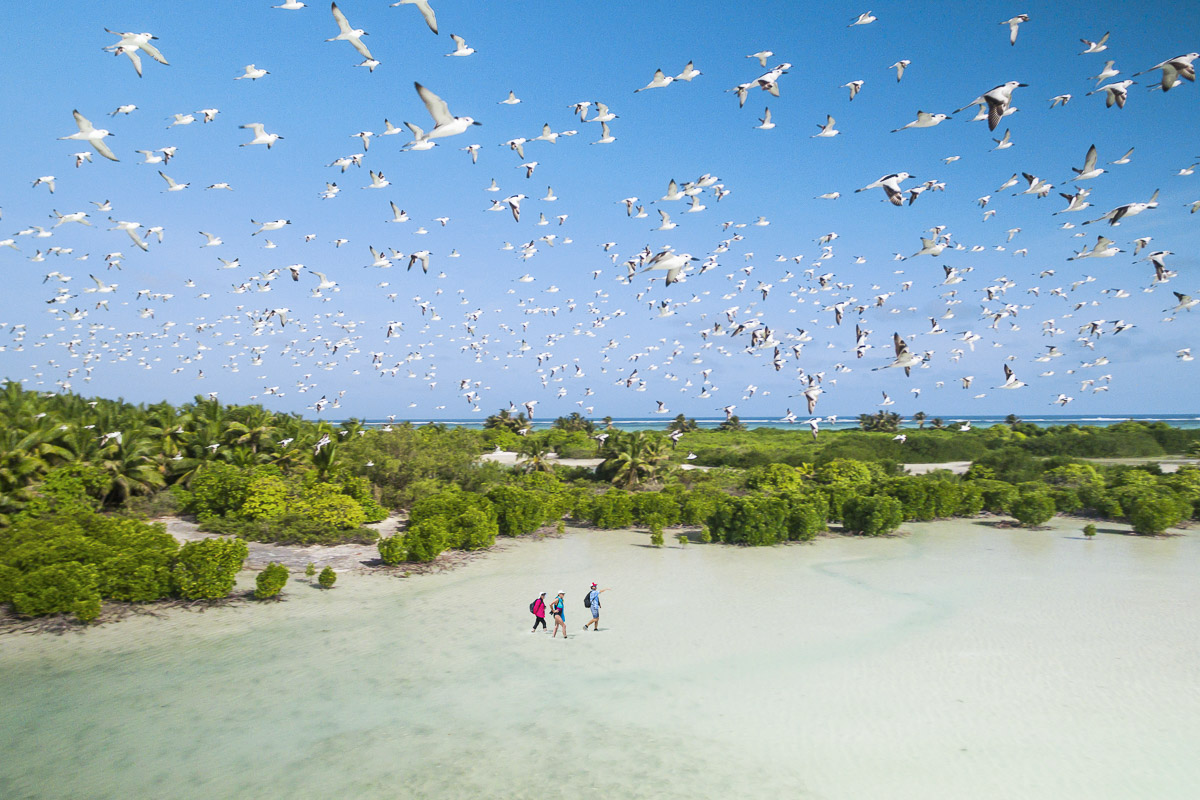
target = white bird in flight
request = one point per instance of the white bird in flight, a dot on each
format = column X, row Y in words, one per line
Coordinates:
column 131, row 43
column 91, row 135
column 425, row 9
column 260, row 135
column 348, row 34
column 445, row 124
column 460, row 47
column 924, row 120
column 657, row 82
column 1013, row 24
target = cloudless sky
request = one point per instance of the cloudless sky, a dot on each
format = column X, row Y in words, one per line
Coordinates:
column 554, row 54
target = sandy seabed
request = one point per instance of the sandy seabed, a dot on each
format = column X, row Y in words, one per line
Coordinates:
column 959, row 660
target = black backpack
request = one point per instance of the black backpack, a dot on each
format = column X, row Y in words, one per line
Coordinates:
column 587, row 599
column 531, row 605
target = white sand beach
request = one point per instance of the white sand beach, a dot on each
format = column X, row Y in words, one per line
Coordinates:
column 958, row 660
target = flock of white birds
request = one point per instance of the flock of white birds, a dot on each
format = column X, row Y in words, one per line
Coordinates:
column 301, row 331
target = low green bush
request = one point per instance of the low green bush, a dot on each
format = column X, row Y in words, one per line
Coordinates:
column 327, row 578
column 207, row 569
column 425, row 540
column 872, row 515
column 392, row 550
column 270, row 582
column 1032, row 506
column 518, row 511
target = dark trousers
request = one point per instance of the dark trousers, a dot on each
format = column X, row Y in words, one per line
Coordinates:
column 539, row 621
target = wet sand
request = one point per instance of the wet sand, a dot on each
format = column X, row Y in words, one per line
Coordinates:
column 960, row 660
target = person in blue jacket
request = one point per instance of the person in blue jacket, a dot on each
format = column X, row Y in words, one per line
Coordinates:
column 594, row 603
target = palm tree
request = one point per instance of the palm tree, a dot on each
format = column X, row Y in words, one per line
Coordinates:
column 682, row 424
column 131, row 466
column 937, row 423
column 575, row 422
column 633, row 456
column 919, row 418
column 254, row 429
column 880, row 422
column 1012, row 420
column 506, row 421
column 732, row 424
column 536, row 455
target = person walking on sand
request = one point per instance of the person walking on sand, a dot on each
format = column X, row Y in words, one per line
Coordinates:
column 559, row 612
column 594, row 604
column 539, row 612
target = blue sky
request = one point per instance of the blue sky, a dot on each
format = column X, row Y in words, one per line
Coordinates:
column 552, row 55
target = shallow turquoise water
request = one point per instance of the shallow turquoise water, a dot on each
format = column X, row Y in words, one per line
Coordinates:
column 960, row 660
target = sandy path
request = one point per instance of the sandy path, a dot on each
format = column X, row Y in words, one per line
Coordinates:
column 340, row 556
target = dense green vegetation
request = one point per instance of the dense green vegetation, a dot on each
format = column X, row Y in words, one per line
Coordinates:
column 77, row 478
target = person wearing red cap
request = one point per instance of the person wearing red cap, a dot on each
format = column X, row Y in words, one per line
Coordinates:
column 594, row 603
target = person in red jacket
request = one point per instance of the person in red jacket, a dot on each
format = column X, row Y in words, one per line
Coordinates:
column 539, row 612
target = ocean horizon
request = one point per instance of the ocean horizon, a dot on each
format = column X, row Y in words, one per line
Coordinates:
column 1180, row 420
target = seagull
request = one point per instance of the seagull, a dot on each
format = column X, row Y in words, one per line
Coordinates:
column 1115, row 216
column 172, row 185
column 460, row 47
column 1104, row 248
column 426, row 11
column 657, row 82
column 423, row 257
column 132, row 42
column 1114, row 93
column 1005, row 141
column 91, row 135
column 762, row 57
column 1090, row 170
column 1060, row 100
column 1013, row 24
column 267, row 227
column 1173, row 69
column 514, row 204
column 260, row 135
column 1096, row 46
column 511, row 100
column 1186, row 302
column 900, row 66
column 854, row 86
column 1010, row 380
column 419, row 141
column 827, row 129
column 348, row 34
column 445, row 124
column 688, row 73
column 606, row 136
column 863, row 19
column 924, row 120
column 891, row 187
column 252, row 72
column 1076, row 202
column 398, row 214
column 997, row 99
column 904, row 357
column 1106, row 73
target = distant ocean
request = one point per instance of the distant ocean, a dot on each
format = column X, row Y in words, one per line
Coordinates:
column 660, row 423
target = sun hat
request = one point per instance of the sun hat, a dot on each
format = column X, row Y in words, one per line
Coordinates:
column 543, row 594
column 564, row 591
